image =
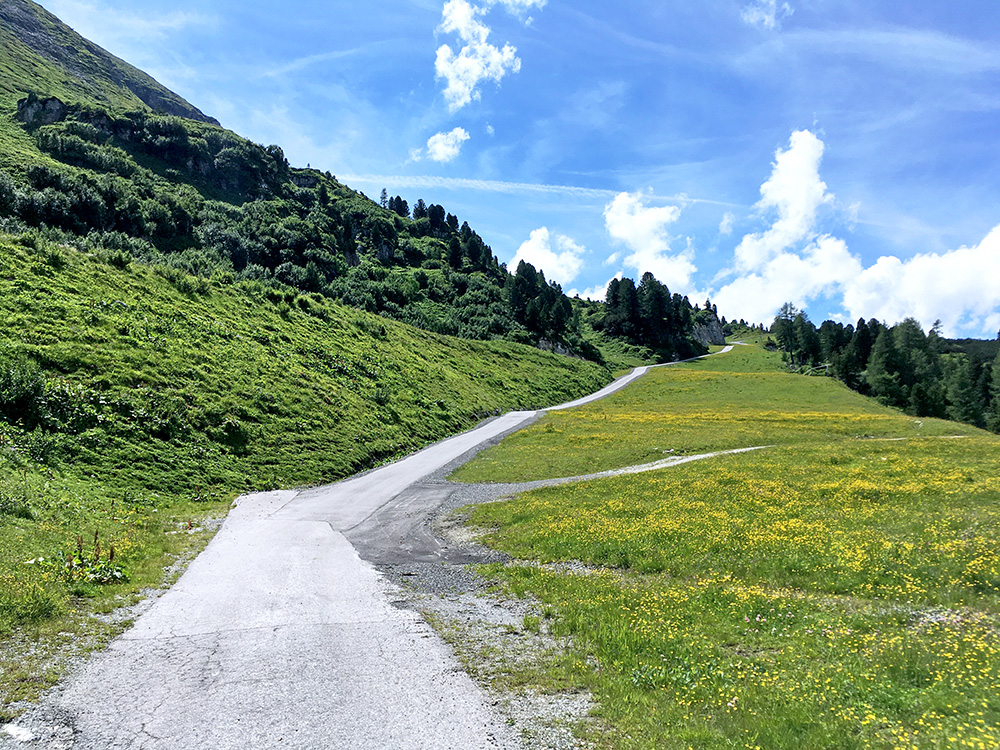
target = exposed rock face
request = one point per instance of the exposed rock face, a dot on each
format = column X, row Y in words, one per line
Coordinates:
column 36, row 112
column 305, row 179
column 710, row 332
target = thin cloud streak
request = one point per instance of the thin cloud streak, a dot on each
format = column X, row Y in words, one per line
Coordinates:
column 305, row 62
column 902, row 47
column 515, row 188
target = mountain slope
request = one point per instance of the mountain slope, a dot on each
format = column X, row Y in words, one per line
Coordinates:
column 41, row 54
column 87, row 163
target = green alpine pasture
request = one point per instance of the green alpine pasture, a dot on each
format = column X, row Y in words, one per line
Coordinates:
column 839, row 589
column 137, row 400
column 740, row 399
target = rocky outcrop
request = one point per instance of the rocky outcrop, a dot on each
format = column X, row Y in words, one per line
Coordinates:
column 36, row 112
column 304, row 179
column 709, row 332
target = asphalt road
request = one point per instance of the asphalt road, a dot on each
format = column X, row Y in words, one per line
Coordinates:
column 280, row 634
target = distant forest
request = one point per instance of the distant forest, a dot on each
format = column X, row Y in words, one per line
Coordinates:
column 921, row 373
column 201, row 200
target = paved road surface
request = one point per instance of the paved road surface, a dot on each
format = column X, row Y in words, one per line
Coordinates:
column 280, row 635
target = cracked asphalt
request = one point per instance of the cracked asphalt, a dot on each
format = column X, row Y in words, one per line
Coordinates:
column 283, row 632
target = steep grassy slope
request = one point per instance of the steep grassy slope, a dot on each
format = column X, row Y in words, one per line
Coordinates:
column 839, row 589
column 41, row 54
column 135, row 400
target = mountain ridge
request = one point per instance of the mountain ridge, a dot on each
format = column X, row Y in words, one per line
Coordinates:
column 76, row 69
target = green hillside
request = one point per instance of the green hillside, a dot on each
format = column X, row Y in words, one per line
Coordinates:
column 134, row 400
column 95, row 154
column 39, row 53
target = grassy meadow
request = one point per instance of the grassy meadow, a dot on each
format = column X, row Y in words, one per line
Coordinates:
column 136, row 401
column 840, row 589
column 736, row 400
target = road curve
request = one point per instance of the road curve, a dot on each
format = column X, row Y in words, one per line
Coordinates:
column 280, row 635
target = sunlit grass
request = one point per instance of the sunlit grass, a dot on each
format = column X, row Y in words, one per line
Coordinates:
column 734, row 400
column 839, row 589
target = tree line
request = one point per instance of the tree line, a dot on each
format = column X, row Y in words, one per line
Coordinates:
column 921, row 373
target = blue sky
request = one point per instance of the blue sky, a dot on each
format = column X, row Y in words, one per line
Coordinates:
column 839, row 154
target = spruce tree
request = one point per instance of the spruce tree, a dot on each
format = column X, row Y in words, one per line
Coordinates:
column 993, row 419
column 882, row 373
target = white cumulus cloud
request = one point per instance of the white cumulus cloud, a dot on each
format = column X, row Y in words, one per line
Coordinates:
column 726, row 225
column 444, row 147
column 789, row 261
column 958, row 287
column 557, row 255
column 642, row 229
column 821, row 269
column 476, row 61
column 795, row 192
column 766, row 14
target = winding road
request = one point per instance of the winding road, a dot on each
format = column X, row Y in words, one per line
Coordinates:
column 283, row 633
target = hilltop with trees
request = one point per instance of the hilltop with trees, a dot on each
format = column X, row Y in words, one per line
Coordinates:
column 921, row 373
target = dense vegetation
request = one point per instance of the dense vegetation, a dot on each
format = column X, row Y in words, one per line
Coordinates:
column 838, row 589
column 192, row 196
column 922, row 374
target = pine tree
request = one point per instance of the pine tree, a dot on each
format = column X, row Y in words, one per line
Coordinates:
column 963, row 405
column 882, row 373
column 993, row 419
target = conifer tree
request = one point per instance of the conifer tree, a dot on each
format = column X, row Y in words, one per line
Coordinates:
column 882, row 373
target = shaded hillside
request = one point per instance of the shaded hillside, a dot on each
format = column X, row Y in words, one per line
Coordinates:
column 38, row 52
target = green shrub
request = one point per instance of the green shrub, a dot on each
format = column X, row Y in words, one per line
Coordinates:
column 22, row 384
column 15, row 507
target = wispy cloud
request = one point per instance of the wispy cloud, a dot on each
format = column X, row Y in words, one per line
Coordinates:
column 309, row 60
column 516, row 188
column 102, row 23
column 905, row 48
column 765, row 14
column 519, row 8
